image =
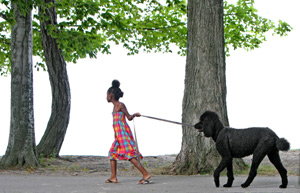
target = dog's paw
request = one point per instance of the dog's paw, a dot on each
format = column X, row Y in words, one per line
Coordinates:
column 244, row 185
column 282, row 186
column 227, row 185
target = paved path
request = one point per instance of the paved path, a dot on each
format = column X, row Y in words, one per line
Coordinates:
column 161, row 184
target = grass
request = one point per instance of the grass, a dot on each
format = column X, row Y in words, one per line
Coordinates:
column 294, row 150
column 164, row 170
column 263, row 170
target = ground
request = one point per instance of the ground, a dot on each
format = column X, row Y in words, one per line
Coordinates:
column 157, row 165
column 88, row 174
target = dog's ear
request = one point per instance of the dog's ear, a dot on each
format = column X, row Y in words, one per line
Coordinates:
column 202, row 117
column 208, row 123
column 208, row 127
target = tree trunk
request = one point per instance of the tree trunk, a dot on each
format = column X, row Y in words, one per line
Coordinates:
column 205, row 85
column 21, row 148
column 54, row 135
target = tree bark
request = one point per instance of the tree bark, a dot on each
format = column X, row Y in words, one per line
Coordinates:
column 205, row 85
column 21, row 148
column 54, row 135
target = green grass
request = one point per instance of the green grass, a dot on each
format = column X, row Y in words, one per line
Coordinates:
column 263, row 170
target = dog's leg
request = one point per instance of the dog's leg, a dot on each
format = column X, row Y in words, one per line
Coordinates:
column 258, row 156
column 230, row 177
column 224, row 162
column 275, row 160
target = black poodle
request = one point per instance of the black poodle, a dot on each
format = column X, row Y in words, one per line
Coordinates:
column 238, row 143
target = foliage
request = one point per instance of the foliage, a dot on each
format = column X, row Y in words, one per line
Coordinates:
column 6, row 16
column 93, row 25
column 243, row 28
column 6, row 21
column 87, row 27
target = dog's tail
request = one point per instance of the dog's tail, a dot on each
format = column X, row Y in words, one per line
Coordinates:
column 282, row 144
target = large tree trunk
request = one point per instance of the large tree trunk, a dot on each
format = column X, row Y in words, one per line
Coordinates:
column 21, row 148
column 54, row 135
column 205, row 84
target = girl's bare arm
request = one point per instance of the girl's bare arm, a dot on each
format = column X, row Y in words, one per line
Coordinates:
column 125, row 111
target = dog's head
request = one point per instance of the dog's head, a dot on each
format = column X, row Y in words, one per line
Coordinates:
column 208, row 122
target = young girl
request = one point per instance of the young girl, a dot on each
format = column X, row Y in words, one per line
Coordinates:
column 123, row 148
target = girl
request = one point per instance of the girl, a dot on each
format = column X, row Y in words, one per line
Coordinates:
column 123, row 148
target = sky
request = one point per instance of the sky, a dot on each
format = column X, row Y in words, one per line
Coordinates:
column 262, row 90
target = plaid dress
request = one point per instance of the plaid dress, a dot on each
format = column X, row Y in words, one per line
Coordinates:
column 123, row 148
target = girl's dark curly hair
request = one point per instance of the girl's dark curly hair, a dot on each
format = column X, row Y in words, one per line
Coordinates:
column 115, row 90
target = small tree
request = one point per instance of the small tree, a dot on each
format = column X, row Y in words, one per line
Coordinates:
column 21, row 146
column 54, row 135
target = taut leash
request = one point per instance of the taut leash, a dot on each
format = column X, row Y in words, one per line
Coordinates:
column 159, row 119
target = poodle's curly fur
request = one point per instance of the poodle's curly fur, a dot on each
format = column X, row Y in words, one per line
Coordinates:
column 237, row 143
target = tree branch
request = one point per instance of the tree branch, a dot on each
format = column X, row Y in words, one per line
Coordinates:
column 159, row 28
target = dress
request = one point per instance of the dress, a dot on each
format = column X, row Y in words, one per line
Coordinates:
column 123, row 148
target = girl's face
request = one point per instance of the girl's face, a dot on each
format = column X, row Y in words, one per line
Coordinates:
column 109, row 97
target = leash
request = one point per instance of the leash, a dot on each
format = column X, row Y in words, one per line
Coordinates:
column 159, row 119
column 136, row 145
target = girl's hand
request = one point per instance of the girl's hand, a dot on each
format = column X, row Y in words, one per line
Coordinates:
column 137, row 114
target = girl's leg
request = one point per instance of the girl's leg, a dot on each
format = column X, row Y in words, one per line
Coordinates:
column 146, row 175
column 113, row 178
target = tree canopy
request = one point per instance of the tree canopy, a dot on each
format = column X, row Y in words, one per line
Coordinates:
column 93, row 25
column 87, row 27
column 244, row 28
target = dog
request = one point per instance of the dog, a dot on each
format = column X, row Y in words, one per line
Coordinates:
column 238, row 143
